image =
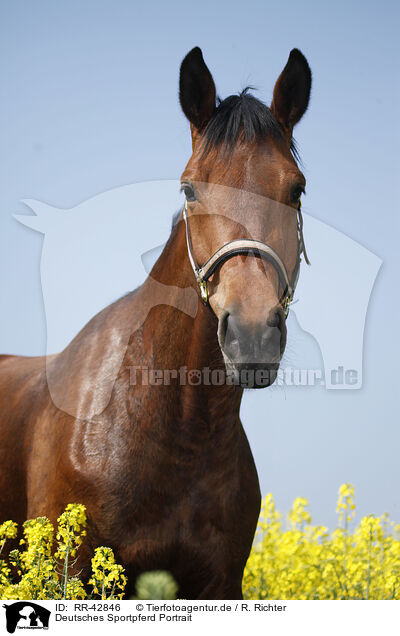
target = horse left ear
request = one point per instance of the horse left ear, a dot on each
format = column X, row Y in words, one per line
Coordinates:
column 292, row 92
column 196, row 89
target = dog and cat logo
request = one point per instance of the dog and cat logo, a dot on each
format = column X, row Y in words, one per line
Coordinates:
column 26, row 615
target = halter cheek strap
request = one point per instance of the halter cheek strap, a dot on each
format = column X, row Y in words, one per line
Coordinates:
column 247, row 246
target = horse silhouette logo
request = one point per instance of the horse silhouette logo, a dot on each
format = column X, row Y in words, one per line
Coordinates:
column 26, row 615
column 82, row 272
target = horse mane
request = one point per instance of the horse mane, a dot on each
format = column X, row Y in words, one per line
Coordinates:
column 242, row 116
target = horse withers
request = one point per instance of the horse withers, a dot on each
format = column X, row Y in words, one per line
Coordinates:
column 164, row 468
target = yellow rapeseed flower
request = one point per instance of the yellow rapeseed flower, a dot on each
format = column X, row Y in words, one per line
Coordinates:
column 303, row 561
column 71, row 530
column 107, row 576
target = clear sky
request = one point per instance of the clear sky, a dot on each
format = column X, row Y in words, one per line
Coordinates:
column 88, row 102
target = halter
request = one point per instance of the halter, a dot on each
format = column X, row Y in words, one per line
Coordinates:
column 255, row 248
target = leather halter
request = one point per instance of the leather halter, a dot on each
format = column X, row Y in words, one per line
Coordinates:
column 255, row 248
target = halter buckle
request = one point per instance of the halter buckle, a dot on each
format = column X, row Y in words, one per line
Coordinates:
column 286, row 304
column 203, row 290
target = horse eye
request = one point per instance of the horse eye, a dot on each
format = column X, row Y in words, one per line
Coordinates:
column 296, row 194
column 188, row 189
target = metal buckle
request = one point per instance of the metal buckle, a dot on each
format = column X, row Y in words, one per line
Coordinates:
column 286, row 305
column 203, row 290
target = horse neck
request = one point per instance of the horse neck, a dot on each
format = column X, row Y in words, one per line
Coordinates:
column 185, row 340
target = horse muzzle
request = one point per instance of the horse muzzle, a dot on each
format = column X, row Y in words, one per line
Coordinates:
column 252, row 353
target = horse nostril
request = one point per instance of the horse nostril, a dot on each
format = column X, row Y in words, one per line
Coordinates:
column 276, row 319
column 271, row 339
column 236, row 338
column 222, row 328
column 276, row 328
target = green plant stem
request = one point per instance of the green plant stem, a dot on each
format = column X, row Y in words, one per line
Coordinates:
column 65, row 570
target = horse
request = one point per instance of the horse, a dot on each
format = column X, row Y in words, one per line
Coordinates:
column 164, row 469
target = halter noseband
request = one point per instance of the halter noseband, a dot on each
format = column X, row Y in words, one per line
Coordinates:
column 255, row 248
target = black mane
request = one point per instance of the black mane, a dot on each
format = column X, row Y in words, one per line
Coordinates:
column 241, row 116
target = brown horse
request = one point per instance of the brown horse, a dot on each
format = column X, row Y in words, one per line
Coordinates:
column 164, row 469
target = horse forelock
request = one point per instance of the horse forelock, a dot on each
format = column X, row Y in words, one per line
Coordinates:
column 242, row 117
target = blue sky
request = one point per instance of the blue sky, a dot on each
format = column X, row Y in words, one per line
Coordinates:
column 88, row 102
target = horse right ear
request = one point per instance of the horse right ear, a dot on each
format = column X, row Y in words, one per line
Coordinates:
column 196, row 89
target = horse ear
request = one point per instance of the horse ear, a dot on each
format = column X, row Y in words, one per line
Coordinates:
column 292, row 92
column 196, row 89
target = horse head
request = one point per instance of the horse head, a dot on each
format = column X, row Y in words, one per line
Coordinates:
column 243, row 189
